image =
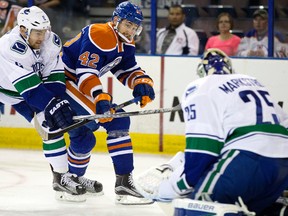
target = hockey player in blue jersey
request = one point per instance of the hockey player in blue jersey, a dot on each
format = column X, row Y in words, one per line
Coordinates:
column 236, row 144
column 96, row 50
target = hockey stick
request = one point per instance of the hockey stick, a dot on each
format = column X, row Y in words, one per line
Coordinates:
column 127, row 103
column 45, row 135
column 82, row 120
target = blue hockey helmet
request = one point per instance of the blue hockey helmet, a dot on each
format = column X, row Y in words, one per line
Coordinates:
column 129, row 11
column 214, row 61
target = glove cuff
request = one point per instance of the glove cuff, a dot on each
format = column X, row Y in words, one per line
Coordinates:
column 144, row 79
column 182, row 187
column 103, row 96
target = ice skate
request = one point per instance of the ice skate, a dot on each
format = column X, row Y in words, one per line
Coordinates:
column 68, row 188
column 126, row 193
column 93, row 187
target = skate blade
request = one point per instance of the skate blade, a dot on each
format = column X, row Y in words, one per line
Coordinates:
column 63, row 196
column 131, row 200
column 94, row 194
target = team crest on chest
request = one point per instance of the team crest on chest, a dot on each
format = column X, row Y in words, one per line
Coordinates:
column 109, row 66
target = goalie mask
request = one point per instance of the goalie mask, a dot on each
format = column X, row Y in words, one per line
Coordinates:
column 131, row 12
column 33, row 18
column 214, row 61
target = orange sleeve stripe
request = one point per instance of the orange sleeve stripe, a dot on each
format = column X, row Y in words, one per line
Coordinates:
column 131, row 78
column 89, row 83
column 120, row 146
column 103, row 96
column 78, row 162
column 80, row 96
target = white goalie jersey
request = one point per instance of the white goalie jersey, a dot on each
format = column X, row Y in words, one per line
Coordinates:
column 233, row 112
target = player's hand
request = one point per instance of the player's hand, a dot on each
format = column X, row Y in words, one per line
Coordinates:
column 103, row 103
column 143, row 87
column 58, row 113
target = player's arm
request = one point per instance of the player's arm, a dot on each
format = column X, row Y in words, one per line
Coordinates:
column 203, row 132
column 131, row 75
column 53, row 76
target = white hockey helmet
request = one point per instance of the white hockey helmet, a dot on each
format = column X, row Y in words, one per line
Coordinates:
column 33, row 18
column 214, row 61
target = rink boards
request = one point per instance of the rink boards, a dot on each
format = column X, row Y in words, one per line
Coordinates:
column 155, row 133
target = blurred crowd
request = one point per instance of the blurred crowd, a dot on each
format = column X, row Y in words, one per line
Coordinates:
column 176, row 34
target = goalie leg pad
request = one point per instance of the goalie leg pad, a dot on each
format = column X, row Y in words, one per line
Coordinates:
column 149, row 182
column 189, row 207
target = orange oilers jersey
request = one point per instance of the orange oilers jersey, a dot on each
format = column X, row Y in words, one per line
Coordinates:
column 95, row 51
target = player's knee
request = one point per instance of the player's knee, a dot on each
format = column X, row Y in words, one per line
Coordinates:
column 117, row 124
column 183, row 207
column 82, row 141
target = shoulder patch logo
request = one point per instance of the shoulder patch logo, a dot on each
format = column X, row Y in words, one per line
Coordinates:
column 56, row 40
column 19, row 47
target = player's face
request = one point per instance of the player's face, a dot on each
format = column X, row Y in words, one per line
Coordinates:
column 36, row 38
column 176, row 17
column 128, row 29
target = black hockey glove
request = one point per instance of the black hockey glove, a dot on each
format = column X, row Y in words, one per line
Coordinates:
column 143, row 87
column 58, row 113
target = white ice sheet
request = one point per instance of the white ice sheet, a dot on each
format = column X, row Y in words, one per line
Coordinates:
column 26, row 187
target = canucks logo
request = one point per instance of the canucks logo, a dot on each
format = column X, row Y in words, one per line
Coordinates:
column 56, row 40
column 38, row 69
column 19, row 47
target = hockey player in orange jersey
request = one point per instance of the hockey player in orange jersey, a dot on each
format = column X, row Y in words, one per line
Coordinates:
column 96, row 50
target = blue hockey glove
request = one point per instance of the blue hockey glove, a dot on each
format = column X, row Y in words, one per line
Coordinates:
column 103, row 103
column 143, row 87
column 58, row 113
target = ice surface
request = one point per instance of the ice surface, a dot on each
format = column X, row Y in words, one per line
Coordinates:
column 26, row 187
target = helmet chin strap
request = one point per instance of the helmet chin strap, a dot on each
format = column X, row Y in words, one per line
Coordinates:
column 27, row 34
column 121, row 35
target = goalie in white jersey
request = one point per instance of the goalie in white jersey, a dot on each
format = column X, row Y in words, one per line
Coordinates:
column 236, row 142
column 32, row 81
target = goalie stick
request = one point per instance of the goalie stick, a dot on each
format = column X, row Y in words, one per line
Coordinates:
column 82, row 120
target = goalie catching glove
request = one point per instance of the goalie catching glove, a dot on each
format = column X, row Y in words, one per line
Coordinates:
column 103, row 103
column 165, row 182
column 143, row 87
column 58, row 114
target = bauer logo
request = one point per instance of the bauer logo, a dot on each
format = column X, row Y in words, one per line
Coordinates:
column 203, row 207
